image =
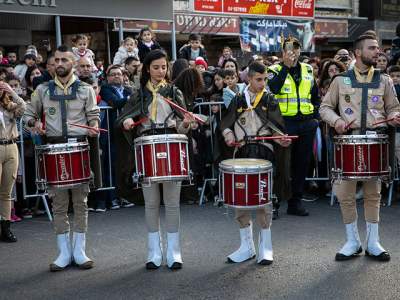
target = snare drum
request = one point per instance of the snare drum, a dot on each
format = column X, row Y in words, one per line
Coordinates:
column 246, row 182
column 161, row 158
column 62, row 165
column 361, row 157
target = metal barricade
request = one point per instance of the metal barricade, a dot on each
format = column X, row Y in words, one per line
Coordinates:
column 43, row 194
column 201, row 108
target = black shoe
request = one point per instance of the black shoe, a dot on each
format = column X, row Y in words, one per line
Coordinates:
column 342, row 257
column 176, row 266
column 6, row 234
column 265, row 262
column 151, row 266
column 384, row 256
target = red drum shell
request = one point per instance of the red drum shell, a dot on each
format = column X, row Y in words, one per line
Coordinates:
column 246, row 182
column 361, row 156
column 162, row 158
column 63, row 165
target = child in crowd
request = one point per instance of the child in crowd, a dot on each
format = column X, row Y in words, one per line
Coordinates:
column 147, row 42
column 20, row 70
column 100, row 75
column 232, row 86
column 226, row 54
column 127, row 49
column 394, row 73
column 81, row 43
column 200, row 64
column 194, row 49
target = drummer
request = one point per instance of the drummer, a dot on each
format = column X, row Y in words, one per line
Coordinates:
column 161, row 118
column 248, row 116
column 363, row 95
column 53, row 105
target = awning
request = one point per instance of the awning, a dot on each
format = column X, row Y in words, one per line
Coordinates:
column 121, row 9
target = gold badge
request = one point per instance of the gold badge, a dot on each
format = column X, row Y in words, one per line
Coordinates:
column 239, row 110
column 242, row 121
column 347, row 98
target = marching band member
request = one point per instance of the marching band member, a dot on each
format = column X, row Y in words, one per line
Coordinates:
column 161, row 119
column 61, row 101
column 247, row 116
column 11, row 108
column 355, row 100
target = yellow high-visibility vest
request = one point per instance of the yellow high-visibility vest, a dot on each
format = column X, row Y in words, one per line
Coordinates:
column 289, row 99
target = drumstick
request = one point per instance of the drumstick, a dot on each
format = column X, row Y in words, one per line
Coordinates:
column 264, row 138
column 87, row 127
column 277, row 137
column 348, row 125
column 383, row 121
column 139, row 122
column 184, row 110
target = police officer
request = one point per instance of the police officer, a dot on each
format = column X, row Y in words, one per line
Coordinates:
column 66, row 100
column 294, row 87
column 365, row 96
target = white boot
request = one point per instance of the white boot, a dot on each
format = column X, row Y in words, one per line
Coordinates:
column 64, row 258
column 352, row 247
column 78, row 252
column 174, row 257
column 265, row 253
column 154, row 257
column 374, row 248
column 247, row 250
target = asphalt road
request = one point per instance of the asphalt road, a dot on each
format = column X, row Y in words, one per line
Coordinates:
column 303, row 268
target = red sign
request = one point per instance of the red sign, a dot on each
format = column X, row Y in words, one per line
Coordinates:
column 278, row 8
column 208, row 5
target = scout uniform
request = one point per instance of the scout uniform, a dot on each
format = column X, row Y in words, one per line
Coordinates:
column 246, row 117
column 58, row 105
column 367, row 98
column 162, row 119
column 8, row 161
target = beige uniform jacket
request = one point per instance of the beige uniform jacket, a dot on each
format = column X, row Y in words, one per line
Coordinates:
column 8, row 119
column 344, row 102
column 83, row 110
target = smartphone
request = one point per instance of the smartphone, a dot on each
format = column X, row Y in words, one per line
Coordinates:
column 289, row 46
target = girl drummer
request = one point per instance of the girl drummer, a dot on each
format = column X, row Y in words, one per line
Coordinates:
column 161, row 119
column 11, row 108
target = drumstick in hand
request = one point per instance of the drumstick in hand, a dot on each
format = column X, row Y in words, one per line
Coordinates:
column 277, row 137
column 87, row 127
column 383, row 121
column 139, row 122
column 184, row 110
column 348, row 125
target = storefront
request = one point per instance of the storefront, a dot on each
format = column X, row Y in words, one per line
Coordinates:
column 37, row 21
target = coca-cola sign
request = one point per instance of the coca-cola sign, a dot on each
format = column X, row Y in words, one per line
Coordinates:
column 279, row 8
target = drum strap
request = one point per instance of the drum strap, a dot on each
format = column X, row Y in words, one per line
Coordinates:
column 374, row 84
column 62, row 99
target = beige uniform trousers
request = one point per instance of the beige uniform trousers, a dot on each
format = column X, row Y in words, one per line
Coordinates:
column 171, row 196
column 263, row 217
column 60, row 208
column 8, row 174
column 345, row 192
